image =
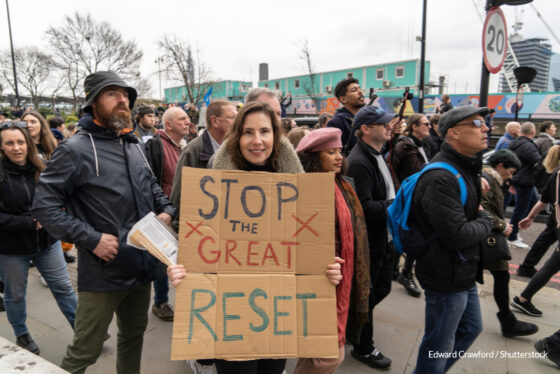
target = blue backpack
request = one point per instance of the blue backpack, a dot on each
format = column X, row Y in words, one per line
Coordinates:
column 407, row 238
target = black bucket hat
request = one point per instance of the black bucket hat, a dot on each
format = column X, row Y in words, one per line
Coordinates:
column 96, row 82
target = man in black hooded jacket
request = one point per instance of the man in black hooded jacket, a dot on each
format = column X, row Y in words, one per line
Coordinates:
column 102, row 179
column 451, row 265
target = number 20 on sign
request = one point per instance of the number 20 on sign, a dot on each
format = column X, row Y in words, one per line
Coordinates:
column 494, row 40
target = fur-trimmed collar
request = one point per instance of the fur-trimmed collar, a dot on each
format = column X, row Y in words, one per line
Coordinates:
column 288, row 160
column 491, row 171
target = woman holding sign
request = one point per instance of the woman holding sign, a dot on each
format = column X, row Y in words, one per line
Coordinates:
column 255, row 143
column 321, row 151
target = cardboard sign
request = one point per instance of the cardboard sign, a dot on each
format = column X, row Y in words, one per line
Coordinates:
column 256, row 247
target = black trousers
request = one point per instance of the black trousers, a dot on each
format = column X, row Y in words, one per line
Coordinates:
column 381, row 271
column 545, row 239
column 263, row 366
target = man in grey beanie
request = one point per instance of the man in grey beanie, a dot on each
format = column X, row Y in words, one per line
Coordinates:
column 102, row 179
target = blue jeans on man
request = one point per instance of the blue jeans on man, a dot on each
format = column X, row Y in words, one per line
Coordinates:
column 525, row 198
column 453, row 321
column 14, row 270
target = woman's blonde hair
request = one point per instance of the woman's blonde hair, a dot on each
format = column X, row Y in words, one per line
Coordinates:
column 552, row 159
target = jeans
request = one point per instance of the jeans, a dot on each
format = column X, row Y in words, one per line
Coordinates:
column 453, row 321
column 161, row 285
column 50, row 263
column 550, row 267
column 545, row 239
column 94, row 314
column 525, row 198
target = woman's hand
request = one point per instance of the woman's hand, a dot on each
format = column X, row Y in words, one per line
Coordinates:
column 333, row 271
column 508, row 230
column 176, row 273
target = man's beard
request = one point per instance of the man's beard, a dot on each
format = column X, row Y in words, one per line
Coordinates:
column 114, row 120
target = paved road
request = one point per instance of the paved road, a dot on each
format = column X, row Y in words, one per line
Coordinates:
column 399, row 323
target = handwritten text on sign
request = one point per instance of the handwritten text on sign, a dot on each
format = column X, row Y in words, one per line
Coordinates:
column 256, row 247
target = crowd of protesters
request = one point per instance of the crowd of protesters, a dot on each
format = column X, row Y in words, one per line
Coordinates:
column 87, row 185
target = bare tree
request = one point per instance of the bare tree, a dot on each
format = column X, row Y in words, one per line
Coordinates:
column 34, row 68
column 57, row 85
column 83, row 46
column 186, row 66
column 142, row 85
column 311, row 84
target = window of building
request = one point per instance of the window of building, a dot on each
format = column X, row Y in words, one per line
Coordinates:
column 399, row 72
column 296, row 83
column 350, row 75
column 276, row 85
column 379, row 73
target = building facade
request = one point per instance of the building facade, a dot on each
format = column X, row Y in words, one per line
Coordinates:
column 226, row 90
column 535, row 53
column 388, row 79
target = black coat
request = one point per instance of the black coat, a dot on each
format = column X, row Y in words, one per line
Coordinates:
column 371, row 190
column 343, row 120
column 432, row 143
column 452, row 262
column 18, row 229
column 154, row 151
column 526, row 150
column 106, row 185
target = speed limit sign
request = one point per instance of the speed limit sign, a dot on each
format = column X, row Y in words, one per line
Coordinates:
column 494, row 40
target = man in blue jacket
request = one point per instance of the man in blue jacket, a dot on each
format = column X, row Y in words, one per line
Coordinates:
column 102, row 179
column 349, row 93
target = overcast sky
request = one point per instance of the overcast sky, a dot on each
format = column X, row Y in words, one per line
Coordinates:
column 235, row 36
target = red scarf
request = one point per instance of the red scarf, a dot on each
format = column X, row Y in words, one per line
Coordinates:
column 343, row 289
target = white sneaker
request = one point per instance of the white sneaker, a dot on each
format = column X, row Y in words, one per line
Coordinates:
column 43, row 281
column 197, row 368
column 518, row 243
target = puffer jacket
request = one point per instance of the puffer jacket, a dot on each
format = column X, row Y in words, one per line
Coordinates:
column 530, row 158
column 106, row 185
column 452, row 262
column 18, row 229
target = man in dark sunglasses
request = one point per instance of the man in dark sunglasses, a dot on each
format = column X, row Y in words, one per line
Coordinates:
column 450, row 266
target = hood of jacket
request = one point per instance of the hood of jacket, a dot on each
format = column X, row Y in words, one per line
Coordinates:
column 288, row 160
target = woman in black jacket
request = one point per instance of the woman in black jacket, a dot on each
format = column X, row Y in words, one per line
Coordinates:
column 23, row 238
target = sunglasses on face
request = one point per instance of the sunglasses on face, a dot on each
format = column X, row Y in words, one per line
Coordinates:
column 10, row 124
column 476, row 122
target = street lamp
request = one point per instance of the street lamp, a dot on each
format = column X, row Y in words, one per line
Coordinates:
column 158, row 61
column 422, row 60
column 485, row 74
column 13, row 58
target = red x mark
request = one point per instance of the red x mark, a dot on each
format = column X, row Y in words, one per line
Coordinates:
column 193, row 229
column 305, row 225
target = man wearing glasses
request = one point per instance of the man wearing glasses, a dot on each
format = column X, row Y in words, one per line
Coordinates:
column 451, row 265
column 375, row 189
column 220, row 115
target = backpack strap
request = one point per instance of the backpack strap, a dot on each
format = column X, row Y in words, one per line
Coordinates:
column 456, row 174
